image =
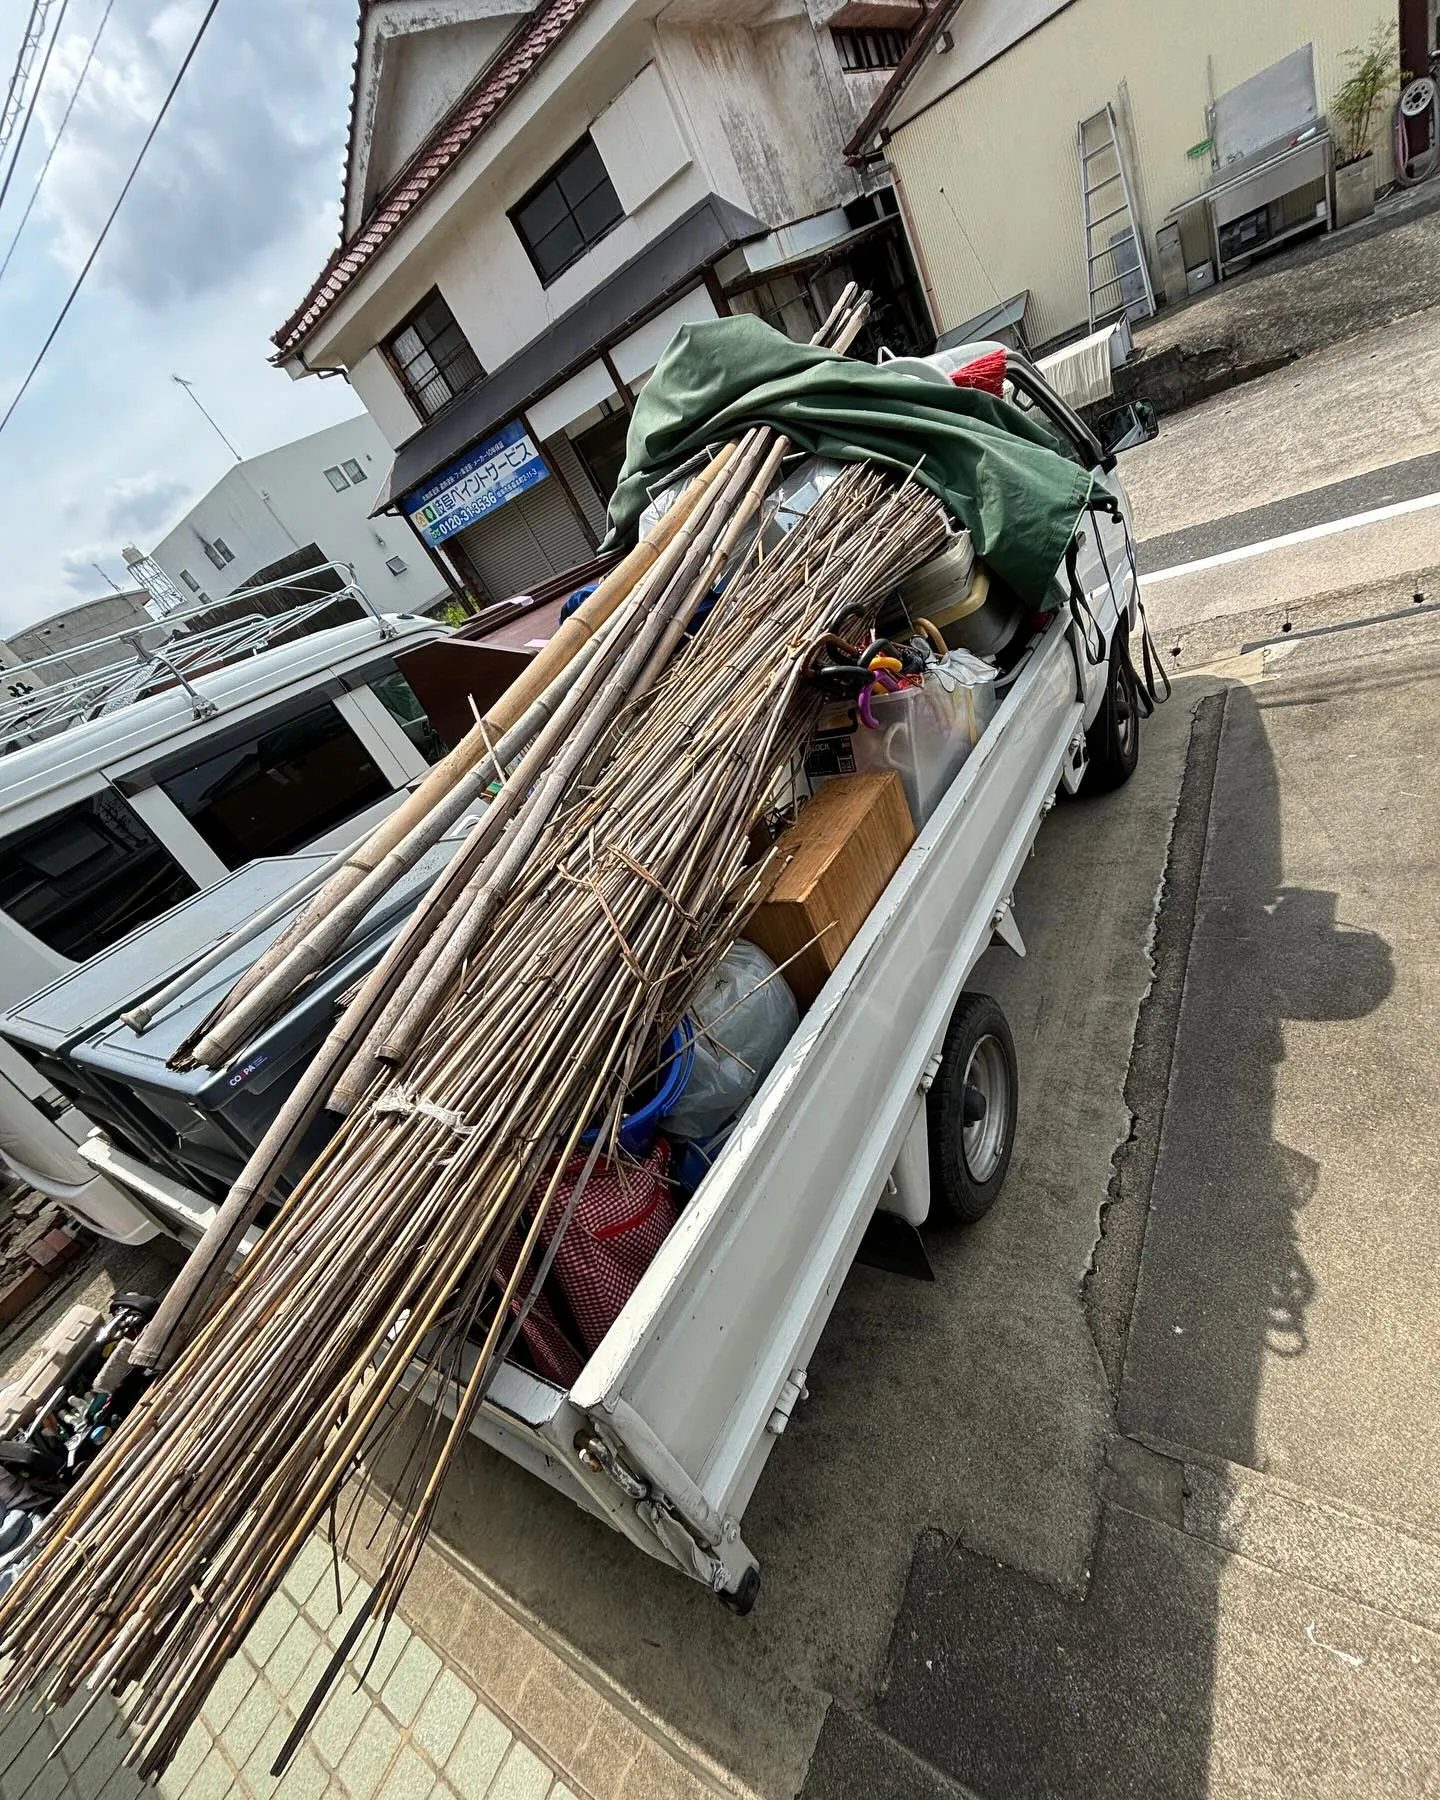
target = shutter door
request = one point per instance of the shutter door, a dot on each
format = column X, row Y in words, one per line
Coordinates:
column 526, row 541
column 563, row 454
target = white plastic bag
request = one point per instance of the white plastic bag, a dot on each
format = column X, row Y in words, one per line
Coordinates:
column 744, row 1015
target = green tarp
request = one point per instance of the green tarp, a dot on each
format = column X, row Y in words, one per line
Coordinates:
column 995, row 468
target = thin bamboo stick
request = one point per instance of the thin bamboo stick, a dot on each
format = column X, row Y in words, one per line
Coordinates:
column 252, row 1010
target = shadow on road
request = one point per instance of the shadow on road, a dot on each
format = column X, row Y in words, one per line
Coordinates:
column 1010, row 1686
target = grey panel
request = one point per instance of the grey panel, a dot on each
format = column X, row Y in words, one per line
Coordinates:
column 107, row 984
column 562, row 454
column 1275, row 103
column 525, row 542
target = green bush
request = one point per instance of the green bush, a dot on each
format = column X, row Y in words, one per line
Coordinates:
column 1374, row 71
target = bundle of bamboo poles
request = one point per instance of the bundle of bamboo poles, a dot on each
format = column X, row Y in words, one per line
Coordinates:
column 670, row 570
column 553, row 971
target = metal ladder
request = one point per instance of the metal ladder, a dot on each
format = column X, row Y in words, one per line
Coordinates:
column 1103, row 180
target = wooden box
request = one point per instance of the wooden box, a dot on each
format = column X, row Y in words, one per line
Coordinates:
column 834, row 863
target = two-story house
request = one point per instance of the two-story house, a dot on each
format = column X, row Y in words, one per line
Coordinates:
column 537, row 196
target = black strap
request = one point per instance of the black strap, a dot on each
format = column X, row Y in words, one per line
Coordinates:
column 1147, row 686
column 1080, row 607
column 1147, row 689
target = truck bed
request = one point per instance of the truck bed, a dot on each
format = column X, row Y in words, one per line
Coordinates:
column 685, row 1396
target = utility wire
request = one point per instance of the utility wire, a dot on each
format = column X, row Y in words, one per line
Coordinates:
column 60, row 132
column 71, row 297
column 34, row 98
column 984, row 268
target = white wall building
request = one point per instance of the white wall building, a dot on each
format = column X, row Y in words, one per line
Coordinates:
column 538, row 195
column 318, row 490
column 979, row 135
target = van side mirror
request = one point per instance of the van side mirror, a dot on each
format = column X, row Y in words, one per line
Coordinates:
column 1125, row 426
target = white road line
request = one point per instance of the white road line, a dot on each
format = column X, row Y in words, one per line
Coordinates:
column 1243, row 552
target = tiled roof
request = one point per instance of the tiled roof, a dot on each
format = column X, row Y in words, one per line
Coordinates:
column 348, row 172
column 436, row 156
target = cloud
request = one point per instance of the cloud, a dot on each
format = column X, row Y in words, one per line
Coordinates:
column 236, row 162
column 78, row 568
column 138, row 504
column 231, row 219
column 132, row 508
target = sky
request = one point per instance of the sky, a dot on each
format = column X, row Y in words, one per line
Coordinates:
column 233, row 214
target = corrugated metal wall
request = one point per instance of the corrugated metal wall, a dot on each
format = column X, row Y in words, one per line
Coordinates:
column 563, row 455
column 994, row 162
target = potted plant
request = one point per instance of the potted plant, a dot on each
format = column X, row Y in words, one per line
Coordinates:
column 1356, row 108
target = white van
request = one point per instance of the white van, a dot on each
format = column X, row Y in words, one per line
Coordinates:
column 116, row 818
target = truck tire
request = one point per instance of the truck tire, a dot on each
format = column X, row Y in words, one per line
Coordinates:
column 1112, row 743
column 970, row 1112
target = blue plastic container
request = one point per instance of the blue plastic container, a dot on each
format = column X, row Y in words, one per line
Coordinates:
column 639, row 1130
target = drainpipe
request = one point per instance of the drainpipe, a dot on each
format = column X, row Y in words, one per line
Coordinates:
column 916, row 249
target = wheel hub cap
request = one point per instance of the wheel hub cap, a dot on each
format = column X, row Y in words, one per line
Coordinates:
column 982, row 1137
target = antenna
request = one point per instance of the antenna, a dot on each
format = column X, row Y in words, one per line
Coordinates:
column 189, row 387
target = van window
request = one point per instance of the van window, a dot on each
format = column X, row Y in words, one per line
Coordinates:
column 84, row 877
column 399, row 699
column 273, row 793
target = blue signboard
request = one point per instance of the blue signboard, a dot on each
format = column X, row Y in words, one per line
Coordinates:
column 482, row 479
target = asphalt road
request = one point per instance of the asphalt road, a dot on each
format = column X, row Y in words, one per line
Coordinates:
column 1266, row 496
column 1415, row 482
column 1259, row 1606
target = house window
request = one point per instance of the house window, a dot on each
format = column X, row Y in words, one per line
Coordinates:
column 216, row 554
column 862, row 50
column 430, row 354
column 571, row 209
column 396, row 564
column 353, row 470
column 226, row 553
column 337, row 480
column 84, row 877
column 190, row 581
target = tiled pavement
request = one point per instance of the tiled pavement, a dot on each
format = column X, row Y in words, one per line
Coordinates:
column 420, row 1728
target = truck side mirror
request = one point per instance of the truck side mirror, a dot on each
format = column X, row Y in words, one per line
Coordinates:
column 1125, row 426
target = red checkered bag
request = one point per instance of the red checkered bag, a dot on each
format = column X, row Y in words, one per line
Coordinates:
column 620, row 1221
column 987, row 373
column 546, row 1340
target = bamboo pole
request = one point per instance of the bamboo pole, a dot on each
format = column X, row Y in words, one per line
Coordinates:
column 204, row 1269
column 311, row 938
column 572, row 634
column 309, row 953
column 398, row 1027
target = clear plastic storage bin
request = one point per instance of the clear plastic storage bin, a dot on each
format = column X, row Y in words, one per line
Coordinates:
column 925, row 733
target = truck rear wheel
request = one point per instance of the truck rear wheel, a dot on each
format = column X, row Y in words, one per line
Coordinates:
column 971, row 1112
column 1113, row 741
